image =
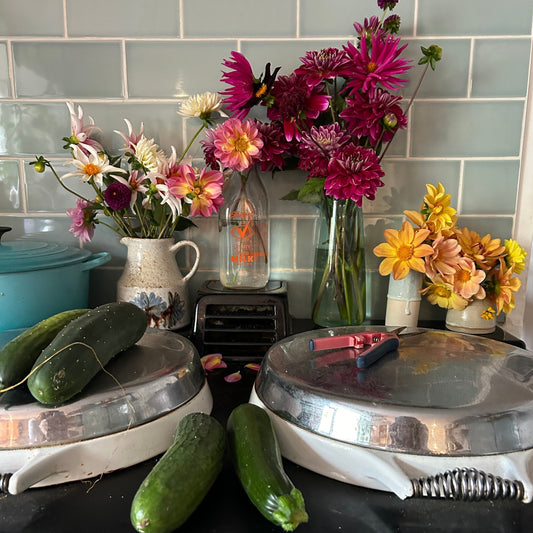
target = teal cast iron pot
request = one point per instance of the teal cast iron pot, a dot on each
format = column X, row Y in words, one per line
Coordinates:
column 41, row 279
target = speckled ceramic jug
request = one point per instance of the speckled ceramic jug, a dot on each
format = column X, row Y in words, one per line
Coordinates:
column 153, row 281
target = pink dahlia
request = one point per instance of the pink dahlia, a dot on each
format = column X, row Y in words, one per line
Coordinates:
column 368, row 28
column 208, row 147
column 83, row 216
column 201, row 191
column 81, row 132
column 375, row 114
column 237, row 144
column 378, row 63
column 246, row 90
column 318, row 145
column 318, row 65
column 354, row 173
column 296, row 104
column 274, row 146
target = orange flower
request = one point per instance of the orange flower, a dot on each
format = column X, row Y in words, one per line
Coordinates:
column 440, row 216
column 467, row 280
column 484, row 251
column 502, row 286
column 446, row 257
column 403, row 251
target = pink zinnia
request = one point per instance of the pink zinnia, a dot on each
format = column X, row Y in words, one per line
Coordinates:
column 83, row 216
column 377, row 63
column 296, row 104
column 318, row 65
column 246, row 90
column 200, row 191
column 318, row 145
column 354, row 173
column 375, row 114
column 237, row 144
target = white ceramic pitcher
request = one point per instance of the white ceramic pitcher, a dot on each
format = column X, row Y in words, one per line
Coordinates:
column 153, row 281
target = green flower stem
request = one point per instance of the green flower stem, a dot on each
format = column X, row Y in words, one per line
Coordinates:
column 187, row 148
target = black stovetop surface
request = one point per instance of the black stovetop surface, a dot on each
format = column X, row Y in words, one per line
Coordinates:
column 104, row 504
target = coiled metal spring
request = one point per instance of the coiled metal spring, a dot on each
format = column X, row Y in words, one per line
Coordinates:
column 4, row 483
column 467, row 484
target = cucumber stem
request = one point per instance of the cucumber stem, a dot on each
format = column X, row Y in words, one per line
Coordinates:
column 290, row 511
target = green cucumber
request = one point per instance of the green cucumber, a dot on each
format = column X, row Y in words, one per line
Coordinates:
column 180, row 480
column 256, row 458
column 82, row 348
column 18, row 355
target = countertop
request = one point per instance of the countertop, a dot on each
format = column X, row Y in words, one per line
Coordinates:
column 103, row 504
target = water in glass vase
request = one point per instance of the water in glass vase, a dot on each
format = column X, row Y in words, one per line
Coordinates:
column 244, row 227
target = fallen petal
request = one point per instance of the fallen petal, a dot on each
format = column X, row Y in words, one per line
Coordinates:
column 213, row 361
column 253, row 366
column 232, row 378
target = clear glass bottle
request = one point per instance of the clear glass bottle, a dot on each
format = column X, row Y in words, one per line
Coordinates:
column 244, row 232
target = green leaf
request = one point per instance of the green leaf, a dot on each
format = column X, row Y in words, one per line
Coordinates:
column 312, row 191
column 293, row 195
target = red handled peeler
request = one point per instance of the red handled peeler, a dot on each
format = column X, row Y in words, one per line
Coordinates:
column 367, row 346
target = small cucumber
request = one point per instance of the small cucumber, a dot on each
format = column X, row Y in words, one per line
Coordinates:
column 82, row 348
column 18, row 355
column 180, row 480
column 256, row 457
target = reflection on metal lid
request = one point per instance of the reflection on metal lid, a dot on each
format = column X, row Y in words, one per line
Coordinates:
column 155, row 376
column 440, row 393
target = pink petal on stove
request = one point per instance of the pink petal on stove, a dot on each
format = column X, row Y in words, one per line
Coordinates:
column 232, row 378
column 253, row 366
column 213, row 361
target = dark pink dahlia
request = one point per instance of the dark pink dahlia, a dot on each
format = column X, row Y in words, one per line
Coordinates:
column 354, row 173
column 117, row 195
column 208, row 147
column 368, row 28
column 375, row 115
column 318, row 65
column 296, row 104
column 317, row 146
column 387, row 4
column 246, row 90
column 380, row 63
column 274, row 146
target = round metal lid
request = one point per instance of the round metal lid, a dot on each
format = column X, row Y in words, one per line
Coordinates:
column 25, row 255
column 440, row 393
column 155, row 376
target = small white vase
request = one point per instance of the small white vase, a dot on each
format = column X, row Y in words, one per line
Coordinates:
column 403, row 300
column 469, row 320
column 152, row 280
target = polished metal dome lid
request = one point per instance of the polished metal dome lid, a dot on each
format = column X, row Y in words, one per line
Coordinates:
column 440, row 393
column 160, row 373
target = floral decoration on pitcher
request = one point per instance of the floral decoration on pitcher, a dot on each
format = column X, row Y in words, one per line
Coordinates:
column 161, row 313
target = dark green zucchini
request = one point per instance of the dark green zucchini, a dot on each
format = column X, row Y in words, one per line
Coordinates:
column 256, row 457
column 182, row 477
column 18, row 355
column 82, row 348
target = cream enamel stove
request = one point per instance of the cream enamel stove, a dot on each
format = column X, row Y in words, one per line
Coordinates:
column 444, row 415
column 124, row 417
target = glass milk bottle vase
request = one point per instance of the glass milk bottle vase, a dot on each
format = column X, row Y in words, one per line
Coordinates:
column 244, row 232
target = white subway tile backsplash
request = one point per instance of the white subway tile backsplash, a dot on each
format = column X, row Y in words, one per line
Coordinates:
column 31, row 18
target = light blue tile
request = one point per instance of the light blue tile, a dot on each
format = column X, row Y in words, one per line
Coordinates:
column 205, row 235
column 299, row 292
column 30, row 129
column 123, row 18
column 498, row 227
column 305, row 239
column 31, row 18
column 281, row 243
column 494, row 74
column 466, row 129
column 45, row 194
column 10, row 194
column 5, row 85
column 336, row 17
column 475, row 17
column 450, row 77
column 405, row 184
column 228, row 18
column 374, row 228
column 280, row 185
column 490, row 187
column 67, row 69
column 176, row 72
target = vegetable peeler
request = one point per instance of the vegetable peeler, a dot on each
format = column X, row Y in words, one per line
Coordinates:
column 366, row 347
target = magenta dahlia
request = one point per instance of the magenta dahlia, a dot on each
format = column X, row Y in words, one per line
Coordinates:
column 375, row 115
column 318, row 145
column 354, row 173
column 318, row 65
column 246, row 90
column 274, row 146
column 117, row 195
column 296, row 104
column 380, row 63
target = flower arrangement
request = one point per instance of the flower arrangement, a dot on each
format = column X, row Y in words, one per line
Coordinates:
column 459, row 265
column 145, row 192
column 333, row 116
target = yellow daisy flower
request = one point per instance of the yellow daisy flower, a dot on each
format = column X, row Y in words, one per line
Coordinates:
column 440, row 292
column 516, row 256
column 440, row 216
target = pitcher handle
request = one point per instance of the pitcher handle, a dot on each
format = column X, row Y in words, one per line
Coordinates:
column 175, row 247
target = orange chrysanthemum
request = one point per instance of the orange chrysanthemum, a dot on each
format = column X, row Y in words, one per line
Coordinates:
column 484, row 251
column 403, row 251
